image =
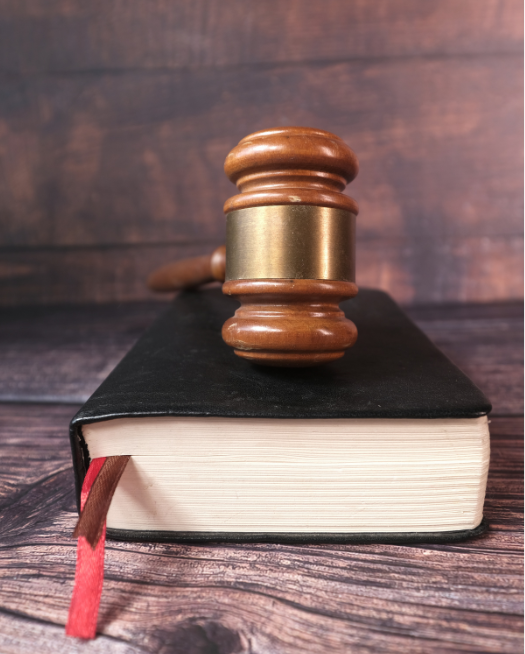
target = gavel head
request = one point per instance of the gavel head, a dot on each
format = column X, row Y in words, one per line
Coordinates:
column 290, row 247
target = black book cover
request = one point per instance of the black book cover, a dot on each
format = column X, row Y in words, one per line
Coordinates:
column 182, row 367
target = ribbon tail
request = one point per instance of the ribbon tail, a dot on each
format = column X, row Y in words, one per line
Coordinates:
column 97, row 490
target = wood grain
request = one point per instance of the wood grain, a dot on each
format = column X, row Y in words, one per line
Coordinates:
column 108, row 274
column 20, row 634
column 486, row 343
column 256, row 598
column 115, row 119
column 61, row 354
column 455, row 271
column 69, row 35
column 137, row 158
column 439, row 170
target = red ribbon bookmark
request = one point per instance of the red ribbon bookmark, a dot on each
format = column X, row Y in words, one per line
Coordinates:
column 89, row 575
column 98, row 488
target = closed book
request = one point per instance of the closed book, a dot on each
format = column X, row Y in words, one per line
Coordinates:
column 389, row 443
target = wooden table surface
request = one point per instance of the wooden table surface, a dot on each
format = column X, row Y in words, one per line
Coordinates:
column 259, row 598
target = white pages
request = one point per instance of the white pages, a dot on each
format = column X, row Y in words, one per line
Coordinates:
column 295, row 476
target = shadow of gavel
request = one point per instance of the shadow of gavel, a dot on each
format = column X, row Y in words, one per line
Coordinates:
column 290, row 248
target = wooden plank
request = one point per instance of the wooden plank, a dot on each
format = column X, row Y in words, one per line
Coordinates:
column 486, row 342
column 32, row 447
column 428, row 267
column 62, row 354
column 106, row 160
column 76, row 275
column 424, row 598
column 110, row 274
column 75, row 36
column 138, row 157
column 19, row 635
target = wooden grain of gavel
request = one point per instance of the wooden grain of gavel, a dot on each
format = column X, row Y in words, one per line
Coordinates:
column 290, row 248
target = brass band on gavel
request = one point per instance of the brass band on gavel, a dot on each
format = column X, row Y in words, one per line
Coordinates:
column 290, row 242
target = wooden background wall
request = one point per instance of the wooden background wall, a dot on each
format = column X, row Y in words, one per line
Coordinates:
column 116, row 117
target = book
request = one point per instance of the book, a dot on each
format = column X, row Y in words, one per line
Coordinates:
column 388, row 444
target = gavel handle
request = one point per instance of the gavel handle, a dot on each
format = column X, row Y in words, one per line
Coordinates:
column 188, row 273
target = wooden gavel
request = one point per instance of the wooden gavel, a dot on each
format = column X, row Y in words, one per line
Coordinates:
column 290, row 248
